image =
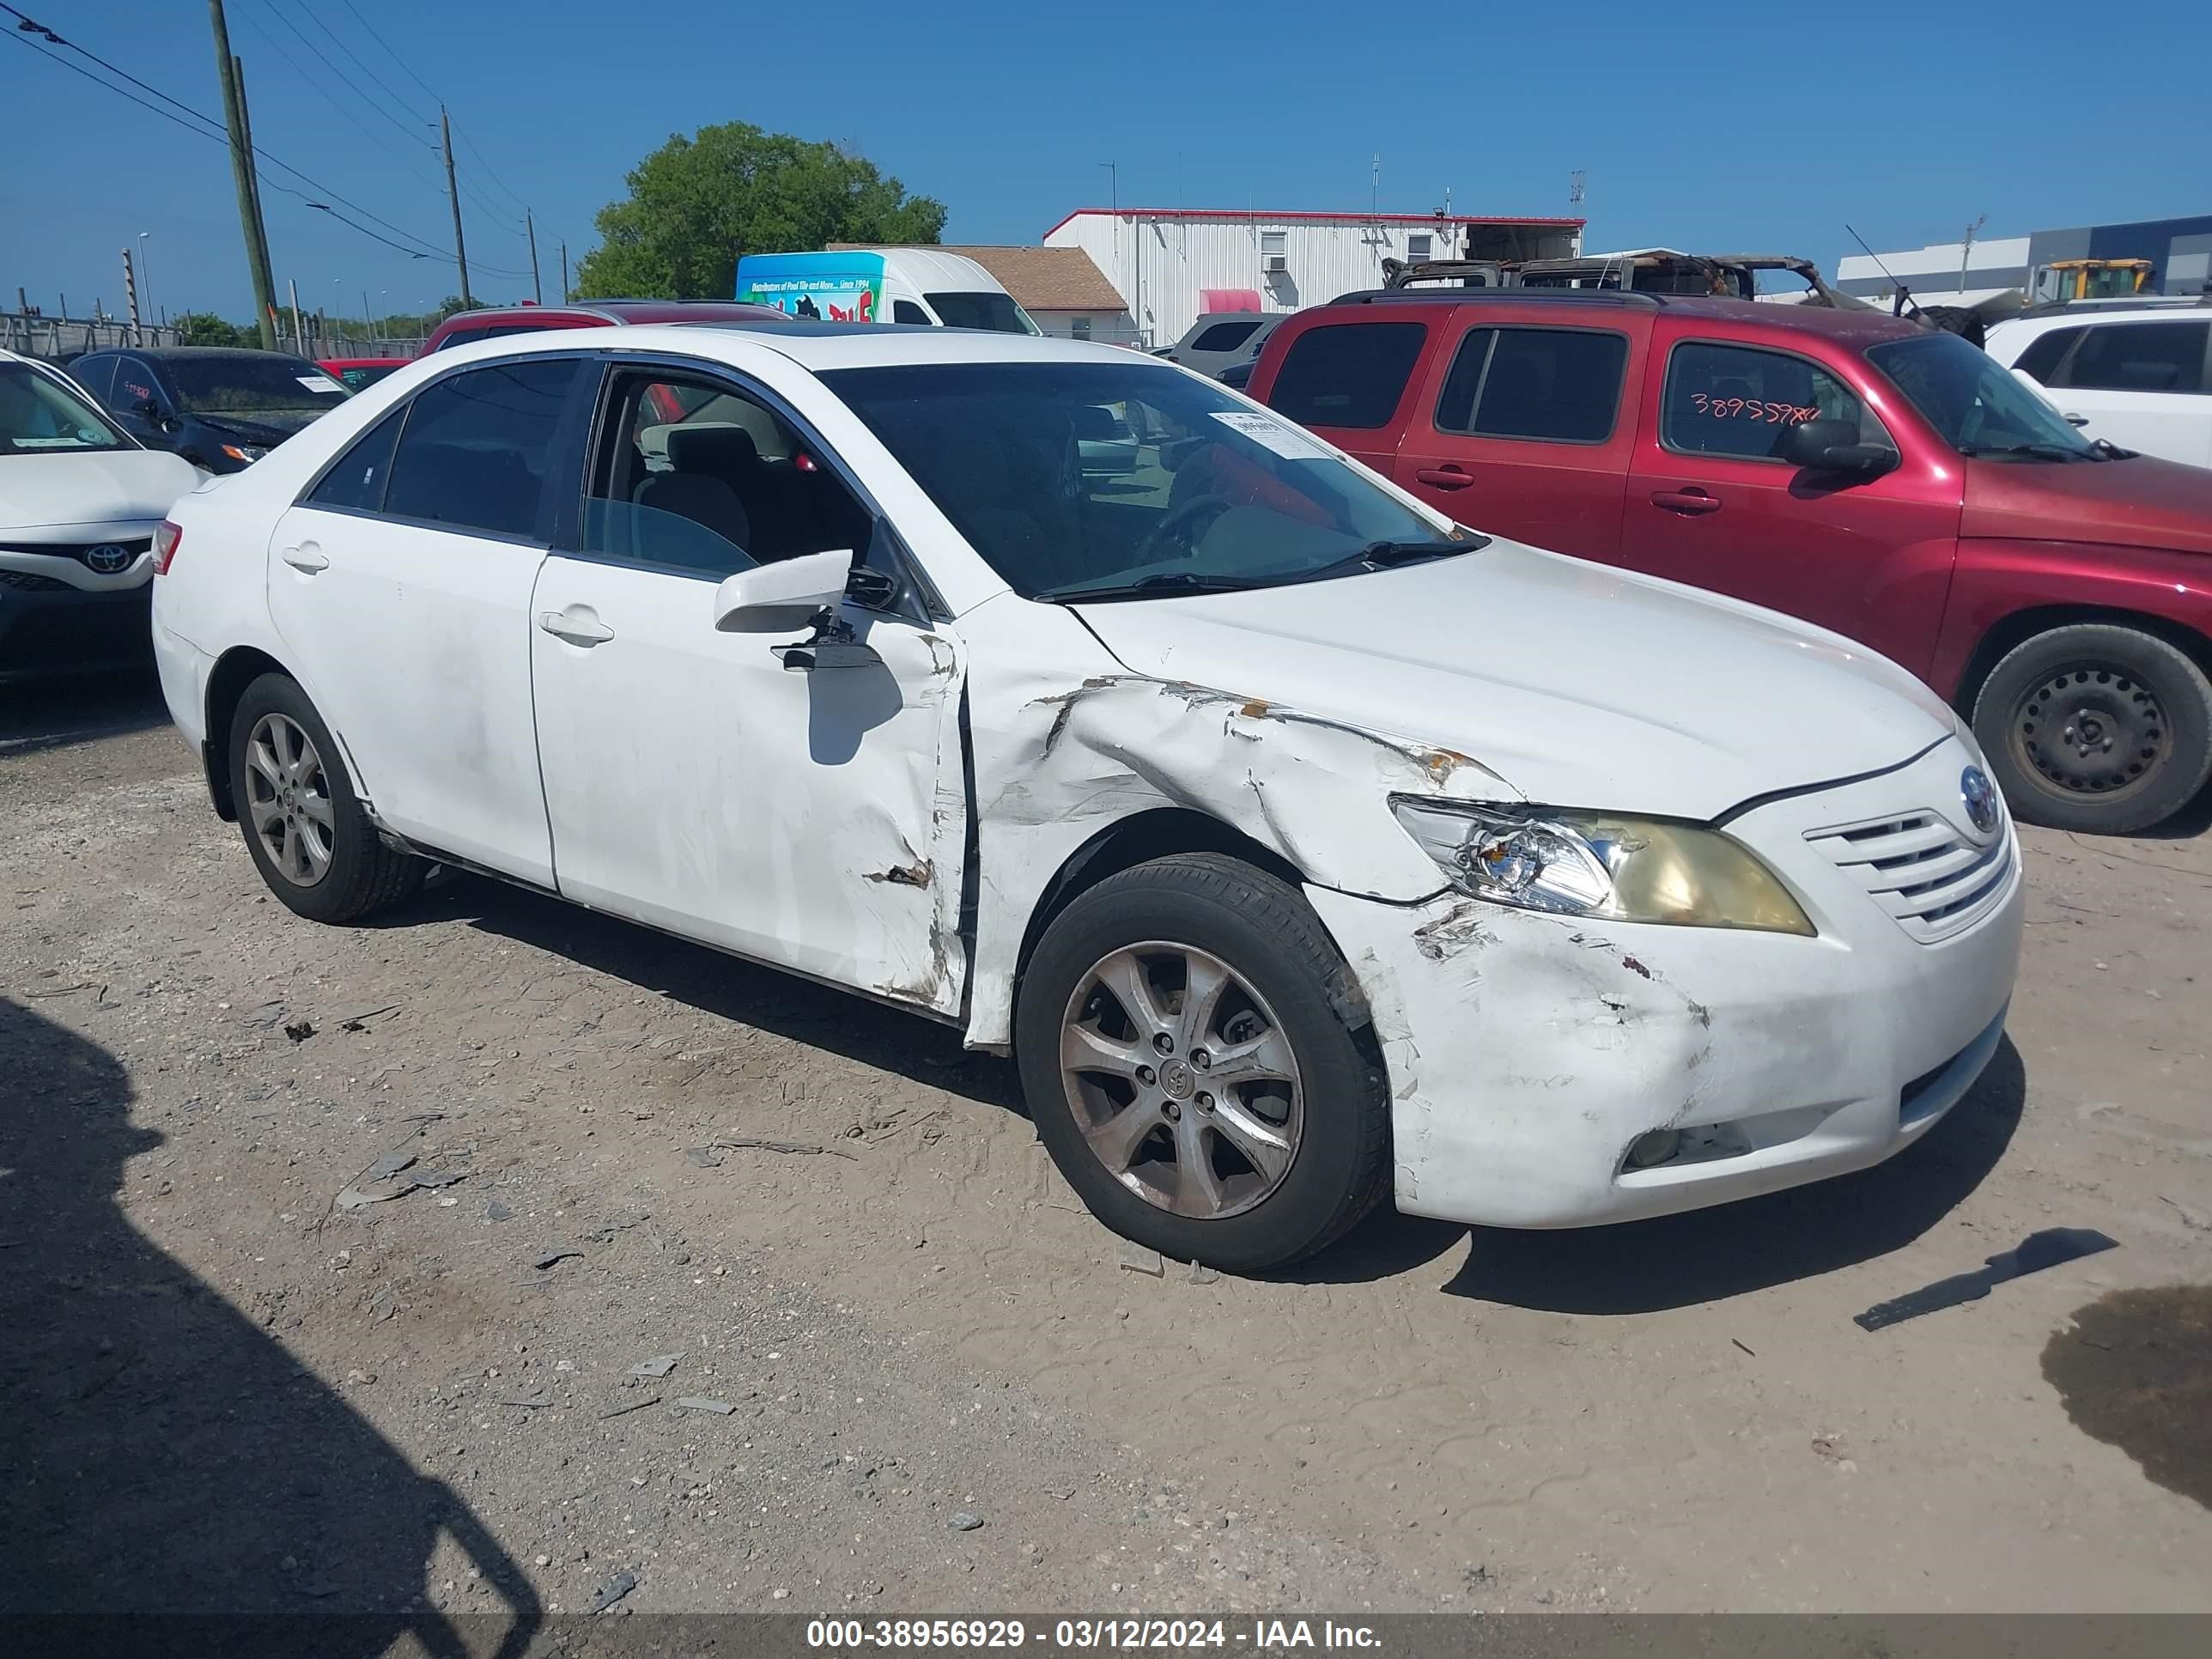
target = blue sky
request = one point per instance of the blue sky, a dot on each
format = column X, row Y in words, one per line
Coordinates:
column 1766, row 128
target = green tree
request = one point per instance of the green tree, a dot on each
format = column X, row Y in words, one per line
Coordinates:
column 696, row 204
column 204, row 328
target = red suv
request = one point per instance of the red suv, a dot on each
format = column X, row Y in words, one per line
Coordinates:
column 1879, row 478
column 467, row 328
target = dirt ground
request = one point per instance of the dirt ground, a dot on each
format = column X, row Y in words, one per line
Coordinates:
column 230, row 1382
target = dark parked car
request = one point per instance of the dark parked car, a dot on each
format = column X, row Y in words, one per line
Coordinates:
column 218, row 407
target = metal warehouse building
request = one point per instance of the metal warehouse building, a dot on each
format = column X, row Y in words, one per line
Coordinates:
column 1959, row 273
column 1171, row 264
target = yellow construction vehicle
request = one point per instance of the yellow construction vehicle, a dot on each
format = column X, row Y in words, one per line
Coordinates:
column 2062, row 280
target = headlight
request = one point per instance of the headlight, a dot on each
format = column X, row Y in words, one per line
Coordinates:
column 1602, row 866
column 244, row 451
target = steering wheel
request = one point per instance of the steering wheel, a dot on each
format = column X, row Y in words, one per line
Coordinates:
column 1183, row 523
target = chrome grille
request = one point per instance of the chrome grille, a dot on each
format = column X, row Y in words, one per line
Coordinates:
column 1933, row 879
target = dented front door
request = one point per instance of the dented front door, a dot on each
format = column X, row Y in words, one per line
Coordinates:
column 813, row 820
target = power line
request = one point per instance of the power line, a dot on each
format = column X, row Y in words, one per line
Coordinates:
column 309, row 11
column 488, row 173
column 209, row 128
column 388, row 51
column 269, row 6
column 332, row 99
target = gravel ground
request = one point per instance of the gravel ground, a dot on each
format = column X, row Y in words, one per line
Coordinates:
column 328, row 1258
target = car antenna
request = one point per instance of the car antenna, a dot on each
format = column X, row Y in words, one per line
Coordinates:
column 1898, row 306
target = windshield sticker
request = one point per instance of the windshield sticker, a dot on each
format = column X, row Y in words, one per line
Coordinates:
column 319, row 383
column 1272, row 434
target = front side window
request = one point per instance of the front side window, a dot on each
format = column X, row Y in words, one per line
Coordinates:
column 1225, row 337
column 1558, row 385
column 252, row 383
column 356, row 479
column 1742, row 401
column 1348, row 374
column 1975, row 407
column 1124, row 480
column 694, row 476
column 995, row 313
column 2140, row 357
column 40, row 415
column 477, row 447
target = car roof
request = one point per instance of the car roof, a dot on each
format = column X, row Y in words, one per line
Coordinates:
column 199, row 353
column 819, row 347
column 615, row 311
column 1849, row 326
column 2089, row 313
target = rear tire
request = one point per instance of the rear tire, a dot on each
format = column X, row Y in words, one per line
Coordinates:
column 1238, row 1120
column 306, row 828
column 2096, row 727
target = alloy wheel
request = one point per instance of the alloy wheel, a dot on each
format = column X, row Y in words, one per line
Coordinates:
column 288, row 799
column 1182, row 1080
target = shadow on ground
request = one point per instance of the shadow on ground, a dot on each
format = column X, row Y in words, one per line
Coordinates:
column 888, row 1039
column 1708, row 1255
column 53, row 713
column 158, row 1451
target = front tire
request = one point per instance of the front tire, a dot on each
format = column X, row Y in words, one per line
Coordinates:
column 1188, row 1067
column 2096, row 727
column 306, row 828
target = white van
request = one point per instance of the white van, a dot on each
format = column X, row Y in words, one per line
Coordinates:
column 882, row 285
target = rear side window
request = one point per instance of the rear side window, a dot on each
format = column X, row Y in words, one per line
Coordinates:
column 1557, row 384
column 357, row 478
column 97, row 376
column 905, row 310
column 1348, row 374
column 2040, row 361
column 1225, row 337
column 1739, row 401
column 477, row 446
column 2140, row 357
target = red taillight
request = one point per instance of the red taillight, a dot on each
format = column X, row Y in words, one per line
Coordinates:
column 166, row 540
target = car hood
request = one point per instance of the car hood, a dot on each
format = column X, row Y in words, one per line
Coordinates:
column 2140, row 502
column 1579, row 685
column 103, row 487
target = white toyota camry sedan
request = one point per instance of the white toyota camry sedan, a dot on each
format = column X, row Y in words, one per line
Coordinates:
column 1300, row 846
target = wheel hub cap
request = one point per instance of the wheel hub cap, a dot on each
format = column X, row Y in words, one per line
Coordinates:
column 1183, row 1082
column 288, row 799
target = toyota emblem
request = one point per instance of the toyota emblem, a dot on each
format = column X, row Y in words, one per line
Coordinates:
column 1981, row 799
column 107, row 559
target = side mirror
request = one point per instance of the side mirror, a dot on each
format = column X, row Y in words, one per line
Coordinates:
column 770, row 598
column 1834, row 446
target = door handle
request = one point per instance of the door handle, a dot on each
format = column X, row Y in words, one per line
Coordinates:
column 307, row 558
column 1443, row 477
column 585, row 629
column 1691, row 500
column 2077, row 420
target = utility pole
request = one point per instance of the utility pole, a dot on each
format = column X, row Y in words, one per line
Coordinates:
column 537, row 290
column 253, row 177
column 454, row 194
column 130, row 299
column 1966, row 252
column 299, row 328
column 564, row 273
column 241, row 167
column 367, row 320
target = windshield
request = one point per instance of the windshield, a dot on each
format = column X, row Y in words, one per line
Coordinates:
column 357, row 375
column 38, row 415
column 995, row 312
column 252, row 383
column 1978, row 408
column 1074, row 477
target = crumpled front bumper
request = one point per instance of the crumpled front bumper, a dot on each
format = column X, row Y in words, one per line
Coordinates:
column 1528, row 1054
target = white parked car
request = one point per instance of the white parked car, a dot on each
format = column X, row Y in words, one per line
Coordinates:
column 2138, row 375
column 79, row 503
column 1299, row 845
